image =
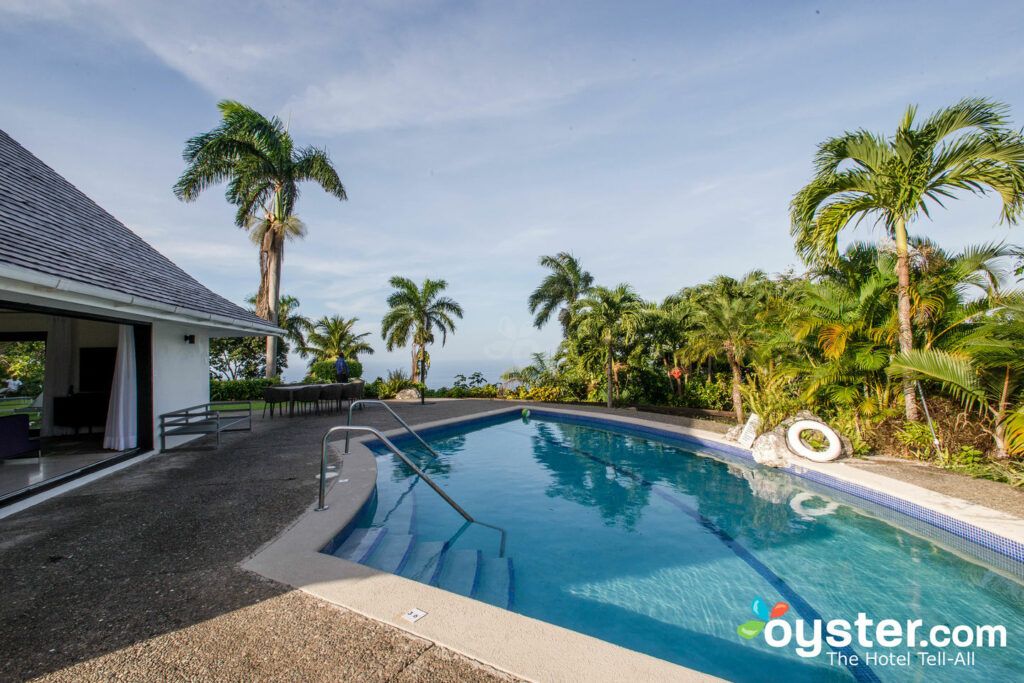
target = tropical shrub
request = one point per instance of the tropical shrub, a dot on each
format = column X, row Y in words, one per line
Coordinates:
column 323, row 371
column 646, row 384
column 389, row 388
column 239, row 389
column 701, row 392
column 545, row 394
column 772, row 395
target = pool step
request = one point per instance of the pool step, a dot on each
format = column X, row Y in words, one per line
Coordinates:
column 466, row 572
column 425, row 561
column 461, row 572
column 400, row 510
column 497, row 582
column 360, row 544
column 392, row 553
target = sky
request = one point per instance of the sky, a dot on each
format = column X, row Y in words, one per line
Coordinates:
column 659, row 142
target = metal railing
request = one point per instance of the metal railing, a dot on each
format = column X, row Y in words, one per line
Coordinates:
column 370, row 401
column 348, row 429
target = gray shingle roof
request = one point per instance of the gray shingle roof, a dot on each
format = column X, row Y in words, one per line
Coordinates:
column 48, row 225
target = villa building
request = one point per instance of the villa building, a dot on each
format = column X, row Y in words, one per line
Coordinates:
column 126, row 330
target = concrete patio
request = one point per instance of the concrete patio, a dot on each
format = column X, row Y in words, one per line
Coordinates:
column 135, row 577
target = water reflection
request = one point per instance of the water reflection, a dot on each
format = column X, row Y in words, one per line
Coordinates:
column 619, row 498
column 593, row 468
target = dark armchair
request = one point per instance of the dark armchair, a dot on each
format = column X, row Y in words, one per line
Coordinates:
column 15, row 439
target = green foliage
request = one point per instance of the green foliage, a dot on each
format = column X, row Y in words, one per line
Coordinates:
column 332, row 336
column 415, row 312
column 24, row 361
column 389, row 388
column 707, row 394
column 566, row 283
column 917, row 438
column 323, row 371
column 848, row 423
column 646, row 385
column 236, row 358
column 546, row 394
column 239, row 389
column 772, row 395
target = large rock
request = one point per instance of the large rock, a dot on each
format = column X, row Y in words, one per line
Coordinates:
column 409, row 394
column 734, row 433
column 770, row 449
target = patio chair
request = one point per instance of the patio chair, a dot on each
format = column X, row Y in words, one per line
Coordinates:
column 333, row 393
column 353, row 391
column 273, row 396
column 308, row 396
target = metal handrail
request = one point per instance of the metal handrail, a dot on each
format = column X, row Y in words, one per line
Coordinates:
column 369, row 401
column 387, row 442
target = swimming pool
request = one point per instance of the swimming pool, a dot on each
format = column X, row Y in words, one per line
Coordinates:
column 643, row 541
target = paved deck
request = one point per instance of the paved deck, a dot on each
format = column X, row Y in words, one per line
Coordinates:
column 134, row 576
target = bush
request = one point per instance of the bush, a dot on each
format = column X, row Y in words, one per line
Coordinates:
column 699, row 392
column 545, row 394
column 323, row 371
column 389, row 388
column 239, row 389
column 646, row 385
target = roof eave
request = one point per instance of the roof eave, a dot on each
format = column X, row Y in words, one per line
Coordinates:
column 33, row 283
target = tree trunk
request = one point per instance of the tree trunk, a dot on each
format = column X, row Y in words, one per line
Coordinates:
column 906, row 332
column 609, row 374
column 276, row 255
column 737, row 377
column 415, row 363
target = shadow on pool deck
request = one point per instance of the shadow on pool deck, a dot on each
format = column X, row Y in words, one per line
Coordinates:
column 135, row 575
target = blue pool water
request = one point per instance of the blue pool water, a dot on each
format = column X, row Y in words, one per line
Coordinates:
column 653, row 546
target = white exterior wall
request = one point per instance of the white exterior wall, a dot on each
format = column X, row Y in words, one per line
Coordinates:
column 181, row 373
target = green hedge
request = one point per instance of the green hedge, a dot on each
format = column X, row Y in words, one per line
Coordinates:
column 239, row 389
column 323, row 371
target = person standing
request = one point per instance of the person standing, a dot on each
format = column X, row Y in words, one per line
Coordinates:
column 341, row 369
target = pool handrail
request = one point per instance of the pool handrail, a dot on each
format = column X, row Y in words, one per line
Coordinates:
column 394, row 449
column 369, row 401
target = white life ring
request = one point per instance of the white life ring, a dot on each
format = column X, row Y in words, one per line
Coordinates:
column 835, row 445
column 797, row 503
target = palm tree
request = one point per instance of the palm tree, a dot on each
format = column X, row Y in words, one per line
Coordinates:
column 606, row 316
column 727, row 320
column 985, row 370
column 289, row 319
column 566, row 283
column 330, row 337
column 541, row 372
column 415, row 312
column 860, row 175
column 258, row 159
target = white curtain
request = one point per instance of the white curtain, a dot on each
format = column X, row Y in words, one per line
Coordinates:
column 57, row 378
column 122, row 415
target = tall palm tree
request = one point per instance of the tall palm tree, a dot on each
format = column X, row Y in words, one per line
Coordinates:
column 967, row 146
column 728, row 320
column 262, row 167
column 415, row 312
column 330, row 337
column 566, row 283
column 607, row 316
column 289, row 319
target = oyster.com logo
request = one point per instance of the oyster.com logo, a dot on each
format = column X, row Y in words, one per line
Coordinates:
column 759, row 607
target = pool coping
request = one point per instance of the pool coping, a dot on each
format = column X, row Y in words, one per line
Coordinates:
column 527, row 647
